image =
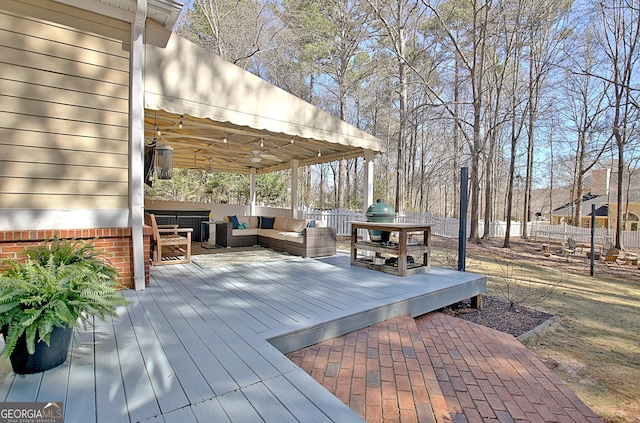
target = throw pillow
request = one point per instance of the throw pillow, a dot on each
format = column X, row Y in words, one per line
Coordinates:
column 312, row 224
column 295, row 225
column 234, row 222
column 242, row 226
column 267, row 222
column 280, row 223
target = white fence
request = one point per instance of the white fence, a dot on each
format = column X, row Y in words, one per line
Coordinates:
column 448, row 227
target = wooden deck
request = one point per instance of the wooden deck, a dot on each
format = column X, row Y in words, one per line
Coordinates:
column 207, row 344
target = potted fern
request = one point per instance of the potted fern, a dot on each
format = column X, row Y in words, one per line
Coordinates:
column 62, row 285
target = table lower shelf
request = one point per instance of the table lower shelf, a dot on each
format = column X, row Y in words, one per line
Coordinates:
column 412, row 268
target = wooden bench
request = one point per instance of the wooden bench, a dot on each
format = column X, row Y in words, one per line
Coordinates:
column 168, row 246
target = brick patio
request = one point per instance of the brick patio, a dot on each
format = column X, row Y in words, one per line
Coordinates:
column 441, row 369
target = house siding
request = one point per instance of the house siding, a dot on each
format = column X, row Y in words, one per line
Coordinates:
column 63, row 109
column 64, row 118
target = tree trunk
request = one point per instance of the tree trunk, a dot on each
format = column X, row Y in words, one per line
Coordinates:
column 402, row 75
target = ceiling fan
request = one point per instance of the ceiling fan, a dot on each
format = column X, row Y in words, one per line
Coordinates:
column 256, row 156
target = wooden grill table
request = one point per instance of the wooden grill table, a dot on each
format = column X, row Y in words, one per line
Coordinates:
column 403, row 249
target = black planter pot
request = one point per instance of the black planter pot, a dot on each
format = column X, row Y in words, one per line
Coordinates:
column 46, row 356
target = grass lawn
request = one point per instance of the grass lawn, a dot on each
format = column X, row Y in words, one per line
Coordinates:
column 595, row 346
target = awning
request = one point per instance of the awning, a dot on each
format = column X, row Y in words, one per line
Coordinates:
column 215, row 114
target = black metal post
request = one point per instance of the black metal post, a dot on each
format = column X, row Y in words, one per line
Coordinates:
column 593, row 239
column 462, row 230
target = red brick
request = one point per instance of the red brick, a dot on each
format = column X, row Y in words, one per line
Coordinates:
column 359, row 371
column 402, row 383
column 358, row 386
column 465, row 400
column 345, row 375
column 485, row 410
column 390, row 411
column 514, row 410
column 420, row 395
column 387, row 374
column 373, row 397
column 343, row 392
column 405, row 400
column 409, row 416
column 416, row 378
column 472, row 416
column 389, row 391
column 356, row 403
column 330, row 383
column 453, row 405
column 373, row 414
column 386, row 361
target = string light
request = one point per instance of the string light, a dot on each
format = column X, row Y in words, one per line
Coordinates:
column 319, row 153
column 180, row 124
column 292, row 140
column 261, row 142
column 224, row 140
column 156, row 128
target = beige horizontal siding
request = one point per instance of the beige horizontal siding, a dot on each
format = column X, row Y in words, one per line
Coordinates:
column 63, row 108
column 61, row 186
column 33, row 59
column 56, row 89
column 62, row 202
column 47, row 37
column 71, row 173
column 89, row 159
column 57, row 15
column 78, row 141
column 72, row 83
column 61, row 127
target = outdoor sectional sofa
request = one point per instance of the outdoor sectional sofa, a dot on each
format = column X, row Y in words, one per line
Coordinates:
column 294, row 236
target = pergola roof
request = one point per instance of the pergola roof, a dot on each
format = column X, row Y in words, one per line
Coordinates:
column 264, row 126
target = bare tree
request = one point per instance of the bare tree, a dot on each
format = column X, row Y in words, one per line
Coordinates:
column 397, row 18
column 213, row 24
column 469, row 45
column 584, row 107
column 619, row 31
column 544, row 39
column 513, row 50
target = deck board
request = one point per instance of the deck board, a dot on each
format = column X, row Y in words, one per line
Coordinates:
column 158, row 350
column 173, row 353
column 136, row 379
column 210, row 411
column 207, row 344
column 80, row 404
column 52, row 381
column 111, row 404
column 24, row 388
column 295, row 401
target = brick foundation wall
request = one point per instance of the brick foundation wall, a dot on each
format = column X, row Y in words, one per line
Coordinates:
column 116, row 242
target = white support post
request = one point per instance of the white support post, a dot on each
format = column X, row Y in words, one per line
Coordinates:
column 252, row 193
column 136, row 143
column 294, row 188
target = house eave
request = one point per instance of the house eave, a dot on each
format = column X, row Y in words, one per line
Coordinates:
column 164, row 12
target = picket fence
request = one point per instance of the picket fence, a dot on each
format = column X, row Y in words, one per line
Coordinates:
column 448, row 227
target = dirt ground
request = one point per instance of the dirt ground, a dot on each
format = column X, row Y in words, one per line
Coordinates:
column 497, row 313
